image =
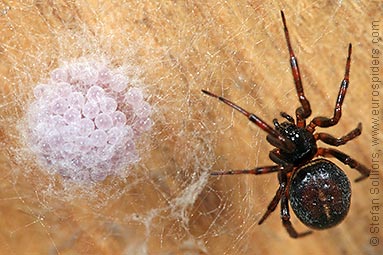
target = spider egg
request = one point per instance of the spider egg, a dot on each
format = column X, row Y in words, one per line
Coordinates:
column 77, row 124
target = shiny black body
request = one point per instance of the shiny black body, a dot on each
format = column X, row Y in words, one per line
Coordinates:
column 304, row 142
column 319, row 192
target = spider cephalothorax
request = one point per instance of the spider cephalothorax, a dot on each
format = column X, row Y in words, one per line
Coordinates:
column 304, row 144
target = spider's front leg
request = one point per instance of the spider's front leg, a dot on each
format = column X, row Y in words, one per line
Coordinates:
column 278, row 140
column 304, row 111
column 328, row 122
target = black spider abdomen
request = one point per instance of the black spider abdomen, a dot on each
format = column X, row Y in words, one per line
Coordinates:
column 320, row 194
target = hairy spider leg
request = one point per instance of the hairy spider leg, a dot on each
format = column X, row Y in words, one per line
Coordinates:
column 279, row 141
column 345, row 159
column 303, row 112
column 328, row 122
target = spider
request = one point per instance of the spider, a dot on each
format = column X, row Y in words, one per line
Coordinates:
column 319, row 191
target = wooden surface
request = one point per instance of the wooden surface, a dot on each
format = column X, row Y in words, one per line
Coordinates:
column 170, row 205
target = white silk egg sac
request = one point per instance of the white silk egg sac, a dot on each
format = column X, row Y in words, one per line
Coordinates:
column 78, row 125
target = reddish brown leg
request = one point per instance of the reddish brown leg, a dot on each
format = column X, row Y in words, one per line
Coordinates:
column 256, row 171
column 279, row 140
column 329, row 139
column 285, row 215
column 345, row 159
column 304, row 111
column 273, row 204
column 282, row 177
column 328, row 122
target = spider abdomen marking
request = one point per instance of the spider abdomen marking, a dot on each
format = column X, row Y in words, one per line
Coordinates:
column 320, row 194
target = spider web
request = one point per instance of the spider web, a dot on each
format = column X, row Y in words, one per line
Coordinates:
column 168, row 203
